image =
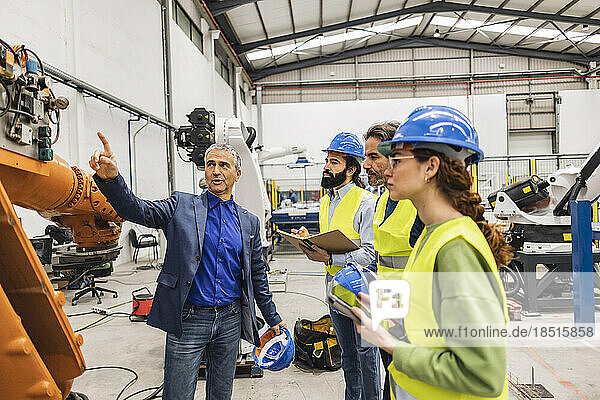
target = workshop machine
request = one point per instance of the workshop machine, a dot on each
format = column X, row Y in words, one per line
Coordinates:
column 538, row 209
column 540, row 232
column 40, row 354
column 205, row 129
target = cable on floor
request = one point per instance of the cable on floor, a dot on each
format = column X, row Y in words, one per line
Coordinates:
column 128, row 385
column 307, row 295
column 100, row 319
column 153, row 395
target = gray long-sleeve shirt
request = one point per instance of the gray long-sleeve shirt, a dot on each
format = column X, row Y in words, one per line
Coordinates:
column 363, row 225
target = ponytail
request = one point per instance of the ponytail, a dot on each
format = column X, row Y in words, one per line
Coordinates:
column 454, row 181
column 356, row 179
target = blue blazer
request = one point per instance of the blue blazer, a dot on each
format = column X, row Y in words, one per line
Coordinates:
column 182, row 217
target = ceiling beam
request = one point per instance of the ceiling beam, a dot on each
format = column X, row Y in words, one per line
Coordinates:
column 221, row 7
column 228, row 31
column 417, row 42
column 434, row 7
column 596, row 11
column 533, row 6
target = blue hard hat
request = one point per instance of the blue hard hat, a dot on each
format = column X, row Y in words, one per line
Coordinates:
column 347, row 143
column 275, row 352
column 437, row 125
column 352, row 278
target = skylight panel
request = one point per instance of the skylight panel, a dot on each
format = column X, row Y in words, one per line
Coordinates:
column 517, row 30
column 321, row 40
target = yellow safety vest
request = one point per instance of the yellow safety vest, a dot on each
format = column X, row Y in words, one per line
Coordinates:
column 419, row 274
column 343, row 218
column 392, row 236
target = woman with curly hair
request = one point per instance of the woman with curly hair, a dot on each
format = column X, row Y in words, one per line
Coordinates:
column 452, row 271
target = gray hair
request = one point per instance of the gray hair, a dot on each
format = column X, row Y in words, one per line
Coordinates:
column 230, row 149
column 383, row 131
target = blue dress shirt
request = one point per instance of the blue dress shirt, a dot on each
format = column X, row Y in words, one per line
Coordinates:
column 218, row 279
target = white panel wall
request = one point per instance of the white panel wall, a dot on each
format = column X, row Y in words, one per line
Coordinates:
column 530, row 144
column 488, row 113
column 117, row 47
column 315, row 124
column 579, row 121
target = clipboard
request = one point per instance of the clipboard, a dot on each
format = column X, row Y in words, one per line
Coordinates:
column 335, row 242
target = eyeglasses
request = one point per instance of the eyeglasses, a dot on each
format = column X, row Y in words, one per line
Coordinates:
column 393, row 161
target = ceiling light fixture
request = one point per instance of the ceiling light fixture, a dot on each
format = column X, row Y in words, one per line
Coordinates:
column 437, row 34
column 585, row 27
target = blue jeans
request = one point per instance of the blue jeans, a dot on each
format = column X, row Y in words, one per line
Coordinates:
column 214, row 329
column 386, row 359
column 360, row 364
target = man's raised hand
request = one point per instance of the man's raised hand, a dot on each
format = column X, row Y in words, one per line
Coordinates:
column 103, row 162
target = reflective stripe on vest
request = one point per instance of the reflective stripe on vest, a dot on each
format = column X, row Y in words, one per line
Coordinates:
column 343, row 218
column 392, row 236
column 391, row 263
column 419, row 274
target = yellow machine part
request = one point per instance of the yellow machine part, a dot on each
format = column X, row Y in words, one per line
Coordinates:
column 39, row 353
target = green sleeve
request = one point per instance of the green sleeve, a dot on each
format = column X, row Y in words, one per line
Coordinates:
column 457, row 298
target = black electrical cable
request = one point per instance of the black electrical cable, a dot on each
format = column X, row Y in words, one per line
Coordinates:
column 39, row 60
column 128, row 385
column 94, row 323
column 57, row 122
column 91, row 325
column 5, row 109
column 9, row 48
column 73, row 281
column 118, row 314
column 80, row 314
column 307, row 295
column 180, row 157
column 153, row 395
column 18, row 102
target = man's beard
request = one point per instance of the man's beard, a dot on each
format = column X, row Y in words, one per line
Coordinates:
column 376, row 179
column 336, row 180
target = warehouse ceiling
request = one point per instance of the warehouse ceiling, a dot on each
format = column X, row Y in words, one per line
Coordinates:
column 274, row 36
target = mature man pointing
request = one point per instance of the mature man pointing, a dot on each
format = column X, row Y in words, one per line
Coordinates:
column 213, row 271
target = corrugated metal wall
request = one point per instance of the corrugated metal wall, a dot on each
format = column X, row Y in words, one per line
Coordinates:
column 418, row 62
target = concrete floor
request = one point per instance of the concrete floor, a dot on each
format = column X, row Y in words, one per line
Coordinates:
column 568, row 373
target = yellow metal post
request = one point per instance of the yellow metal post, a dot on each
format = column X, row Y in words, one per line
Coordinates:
column 273, row 200
column 474, row 175
column 533, row 166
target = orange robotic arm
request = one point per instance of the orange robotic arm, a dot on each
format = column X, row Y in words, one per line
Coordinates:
column 63, row 194
column 40, row 355
column 43, row 354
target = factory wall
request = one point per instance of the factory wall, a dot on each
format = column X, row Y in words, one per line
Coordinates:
column 419, row 63
column 117, row 47
column 315, row 123
column 579, row 121
column 318, row 112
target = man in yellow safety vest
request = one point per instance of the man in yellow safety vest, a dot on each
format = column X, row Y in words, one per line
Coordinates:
column 396, row 226
column 347, row 206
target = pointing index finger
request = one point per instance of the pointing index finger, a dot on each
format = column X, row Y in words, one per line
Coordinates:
column 105, row 143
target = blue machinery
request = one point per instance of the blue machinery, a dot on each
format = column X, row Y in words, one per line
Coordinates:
column 583, row 267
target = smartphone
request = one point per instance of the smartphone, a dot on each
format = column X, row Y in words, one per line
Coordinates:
column 342, row 306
